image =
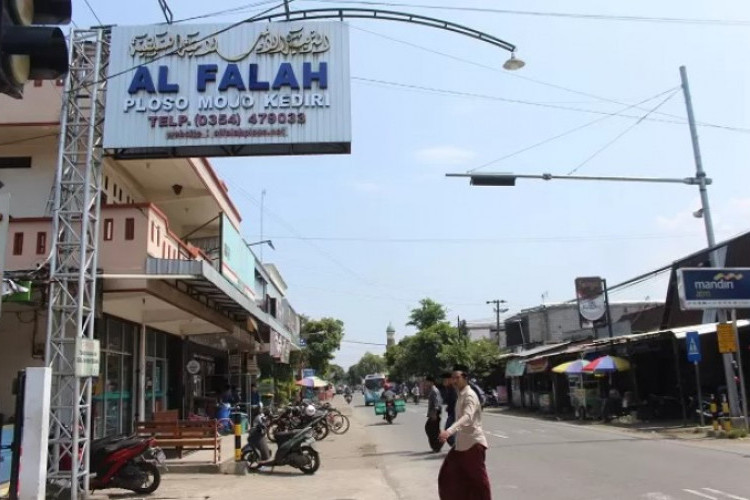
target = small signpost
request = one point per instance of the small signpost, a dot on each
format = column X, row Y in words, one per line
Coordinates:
column 87, row 357
column 693, row 342
column 718, row 288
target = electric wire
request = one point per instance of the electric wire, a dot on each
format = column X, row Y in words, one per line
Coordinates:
column 27, row 139
column 514, row 74
column 567, row 132
column 568, row 15
column 233, row 10
column 504, row 241
column 93, row 12
column 458, row 93
column 621, row 134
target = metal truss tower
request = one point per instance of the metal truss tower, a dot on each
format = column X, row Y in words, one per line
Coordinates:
column 73, row 264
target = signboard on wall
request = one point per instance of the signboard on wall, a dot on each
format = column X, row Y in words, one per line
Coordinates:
column 87, row 358
column 591, row 301
column 224, row 90
column 714, row 288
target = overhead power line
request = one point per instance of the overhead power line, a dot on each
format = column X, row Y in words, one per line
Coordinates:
column 93, row 12
column 515, row 74
column 565, row 15
column 621, row 134
column 458, row 93
column 520, row 239
column 566, row 133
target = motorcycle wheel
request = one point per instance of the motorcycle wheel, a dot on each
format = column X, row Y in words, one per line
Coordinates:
column 340, row 425
column 320, row 432
column 251, row 459
column 313, row 460
column 152, row 481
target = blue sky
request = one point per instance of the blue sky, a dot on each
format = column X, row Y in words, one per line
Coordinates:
column 389, row 229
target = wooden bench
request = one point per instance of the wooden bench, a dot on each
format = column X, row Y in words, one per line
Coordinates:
column 167, row 416
column 183, row 435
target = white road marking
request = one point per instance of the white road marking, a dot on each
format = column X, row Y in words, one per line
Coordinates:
column 699, row 494
column 723, row 494
column 498, row 435
column 657, row 496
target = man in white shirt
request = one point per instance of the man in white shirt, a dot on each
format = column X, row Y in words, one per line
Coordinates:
column 463, row 473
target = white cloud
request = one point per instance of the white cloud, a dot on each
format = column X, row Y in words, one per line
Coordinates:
column 444, row 155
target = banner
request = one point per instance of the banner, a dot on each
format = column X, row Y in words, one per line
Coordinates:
column 592, row 307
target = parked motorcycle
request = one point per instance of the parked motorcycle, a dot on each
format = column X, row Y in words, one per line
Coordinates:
column 130, row 463
column 296, row 448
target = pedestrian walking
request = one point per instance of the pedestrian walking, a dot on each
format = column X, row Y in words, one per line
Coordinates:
column 463, row 474
column 449, row 400
column 434, row 404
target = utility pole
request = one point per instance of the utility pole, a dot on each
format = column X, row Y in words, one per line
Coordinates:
column 700, row 174
column 497, row 309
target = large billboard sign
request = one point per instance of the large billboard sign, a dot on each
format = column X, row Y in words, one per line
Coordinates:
column 714, row 288
column 221, row 90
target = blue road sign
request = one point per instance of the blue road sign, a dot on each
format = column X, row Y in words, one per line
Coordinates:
column 714, row 288
column 308, row 372
column 302, row 342
column 693, row 343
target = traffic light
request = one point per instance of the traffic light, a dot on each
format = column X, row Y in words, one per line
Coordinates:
column 29, row 52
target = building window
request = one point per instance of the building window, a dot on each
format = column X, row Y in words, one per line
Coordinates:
column 114, row 191
column 129, row 229
column 41, row 243
column 18, row 244
column 158, row 235
column 109, row 226
column 119, row 196
column 153, row 228
column 106, row 182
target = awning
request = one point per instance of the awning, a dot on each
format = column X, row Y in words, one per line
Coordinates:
column 681, row 333
column 202, row 277
column 514, row 368
column 534, row 351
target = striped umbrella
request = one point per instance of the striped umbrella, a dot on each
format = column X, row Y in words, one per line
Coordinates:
column 607, row 364
column 571, row 367
column 314, row 382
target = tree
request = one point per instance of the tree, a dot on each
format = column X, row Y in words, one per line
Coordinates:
column 429, row 313
column 367, row 364
column 323, row 338
column 437, row 347
column 335, row 374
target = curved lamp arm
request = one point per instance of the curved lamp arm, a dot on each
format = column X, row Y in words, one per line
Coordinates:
column 387, row 15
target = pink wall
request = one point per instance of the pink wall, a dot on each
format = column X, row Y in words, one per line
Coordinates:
column 119, row 252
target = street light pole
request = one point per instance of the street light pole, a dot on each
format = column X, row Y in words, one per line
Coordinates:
column 700, row 175
column 497, row 303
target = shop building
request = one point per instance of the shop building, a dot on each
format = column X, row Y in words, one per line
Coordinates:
column 183, row 304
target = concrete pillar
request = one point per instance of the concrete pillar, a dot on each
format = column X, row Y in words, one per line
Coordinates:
column 142, row 373
column 34, row 441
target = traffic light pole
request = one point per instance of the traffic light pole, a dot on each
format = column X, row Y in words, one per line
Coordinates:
column 73, row 264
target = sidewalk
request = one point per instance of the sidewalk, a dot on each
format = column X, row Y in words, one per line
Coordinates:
column 671, row 429
column 344, row 470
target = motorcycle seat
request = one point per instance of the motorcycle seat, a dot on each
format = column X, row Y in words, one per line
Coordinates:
column 282, row 437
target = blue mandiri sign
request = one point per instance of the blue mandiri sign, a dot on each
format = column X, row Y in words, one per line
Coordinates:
column 714, row 288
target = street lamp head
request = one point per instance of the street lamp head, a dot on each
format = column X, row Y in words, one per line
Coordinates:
column 513, row 63
column 493, row 180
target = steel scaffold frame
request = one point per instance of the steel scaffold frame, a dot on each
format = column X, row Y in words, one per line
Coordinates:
column 73, row 264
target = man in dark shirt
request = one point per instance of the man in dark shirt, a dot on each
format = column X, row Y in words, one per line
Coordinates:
column 434, row 407
column 449, row 400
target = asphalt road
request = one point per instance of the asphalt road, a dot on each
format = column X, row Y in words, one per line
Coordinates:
column 531, row 459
